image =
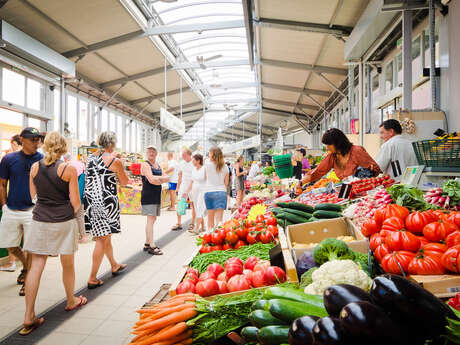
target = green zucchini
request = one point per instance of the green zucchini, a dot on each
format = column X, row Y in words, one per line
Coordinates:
column 292, row 218
column 277, row 210
column 297, row 212
column 290, row 310
column 273, row 335
column 328, row 207
column 261, row 304
column 250, row 334
column 281, row 222
column 313, row 219
column 296, row 205
column 262, row 318
column 326, row 214
column 277, row 292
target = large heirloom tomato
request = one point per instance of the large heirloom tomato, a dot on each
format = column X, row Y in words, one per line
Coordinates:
column 402, row 240
column 381, row 251
column 416, row 221
column 453, row 239
column 394, row 262
column 424, row 265
column 438, row 231
column 454, row 218
column 393, row 224
column 433, row 249
column 391, row 210
column 451, row 259
column 375, row 241
column 370, row 227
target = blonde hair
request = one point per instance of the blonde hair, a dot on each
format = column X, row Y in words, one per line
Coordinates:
column 107, row 139
column 187, row 151
column 217, row 157
column 240, row 159
column 54, row 147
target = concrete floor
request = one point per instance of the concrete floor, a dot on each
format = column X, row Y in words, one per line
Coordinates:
column 108, row 318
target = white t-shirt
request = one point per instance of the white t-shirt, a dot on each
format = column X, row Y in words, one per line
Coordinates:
column 187, row 170
column 215, row 181
column 254, row 170
column 175, row 173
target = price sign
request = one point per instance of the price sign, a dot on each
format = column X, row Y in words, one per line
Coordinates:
column 345, row 191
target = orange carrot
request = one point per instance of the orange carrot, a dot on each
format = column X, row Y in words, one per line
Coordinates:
column 176, row 317
column 188, row 294
column 171, row 332
column 188, row 341
column 176, row 301
column 167, row 311
column 178, row 338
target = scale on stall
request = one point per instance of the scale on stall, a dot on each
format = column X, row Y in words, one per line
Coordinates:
column 426, row 178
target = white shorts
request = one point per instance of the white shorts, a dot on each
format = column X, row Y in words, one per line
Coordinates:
column 13, row 226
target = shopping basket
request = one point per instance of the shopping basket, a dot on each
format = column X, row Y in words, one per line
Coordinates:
column 438, row 152
column 283, row 166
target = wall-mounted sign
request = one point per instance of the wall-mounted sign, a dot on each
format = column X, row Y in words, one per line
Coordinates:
column 171, row 122
column 241, row 145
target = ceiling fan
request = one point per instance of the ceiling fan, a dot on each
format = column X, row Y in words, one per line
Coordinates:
column 201, row 60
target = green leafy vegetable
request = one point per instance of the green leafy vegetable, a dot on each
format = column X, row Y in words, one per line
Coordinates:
column 332, row 249
column 306, row 278
column 268, row 171
column 452, row 189
column 408, row 196
column 453, row 328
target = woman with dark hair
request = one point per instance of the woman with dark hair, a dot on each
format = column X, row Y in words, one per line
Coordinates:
column 343, row 157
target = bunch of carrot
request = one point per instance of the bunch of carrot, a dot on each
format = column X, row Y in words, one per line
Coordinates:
column 165, row 323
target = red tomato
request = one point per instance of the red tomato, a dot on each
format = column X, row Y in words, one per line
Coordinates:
column 423, row 241
column 215, row 269
column 222, row 277
column 390, row 261
column 272, row 221
column 416, row 221
column 262, row 265
column 433, row 249
column 441, row 215
column 207, row 238
column 273, row 230
column 234, row 260
column 402, row 240
column 248, row 275
column 238, row 283
column 207, row 287
column 381, row 251
column 425, row 265
column 393, row 224
column 194, row 271
column 191, row 277
column 218, row 237
column 274, row 275
column 242, row 232
column 217, row 247
column 227, row 246
column 251, row 262
column 222, row 287
column 252, row 237
column 185, row 286
column 206, row 249
column 391, row 210
column 233, row 269
column 451, row 259
column 206, row 275
column 239, row 244
column 454, row 218
column 258, row 279
column 260, row 218
column 453, row 239
column 375, row 241
column 431, row 216
column 231, row 237
column 266, row 236
column 370, row 227
column 438, row 231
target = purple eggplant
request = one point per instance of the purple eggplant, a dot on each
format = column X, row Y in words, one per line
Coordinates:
column 338, row 296
column 300, row 332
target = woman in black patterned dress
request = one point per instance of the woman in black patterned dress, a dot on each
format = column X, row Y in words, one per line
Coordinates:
column 102, row 211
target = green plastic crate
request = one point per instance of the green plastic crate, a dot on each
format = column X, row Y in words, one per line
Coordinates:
column 438, row 153
column 283, row 166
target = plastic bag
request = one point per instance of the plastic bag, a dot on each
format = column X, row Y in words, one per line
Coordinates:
column 181, row 206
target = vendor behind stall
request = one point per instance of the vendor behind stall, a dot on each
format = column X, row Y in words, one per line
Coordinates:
column 344, row 157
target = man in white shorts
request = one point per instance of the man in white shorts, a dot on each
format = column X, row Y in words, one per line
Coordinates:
column 17, row 205
column 184, row 178
column 173, row 172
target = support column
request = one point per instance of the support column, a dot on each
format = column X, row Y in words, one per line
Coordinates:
column 361, row 117
column 407, row 59
column 62, row 108
column 433, row 78
column 351, row 89
column 369, row 100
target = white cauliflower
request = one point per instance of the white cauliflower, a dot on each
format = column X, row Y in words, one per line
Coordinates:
column 338, row 272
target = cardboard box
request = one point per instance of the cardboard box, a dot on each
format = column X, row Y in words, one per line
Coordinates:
column 442, row 286
column 315, row 232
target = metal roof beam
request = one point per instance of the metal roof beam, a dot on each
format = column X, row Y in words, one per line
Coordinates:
column 173, row 109
column 248, row 23
column 136, row 76
column 336, row 30
column 159, row 96
column 233, row 101
column 292, row 104
column 282, row 113
column 213, row 64
column 297, row 89
column 155, row 31
column 304, row 67
column 229, row 85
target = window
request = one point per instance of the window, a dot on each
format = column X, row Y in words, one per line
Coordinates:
column 139, row 137
column 72, row 115
column 416, row 48
column 33, row 94
column 83, row 123
column 120, row 131
column 399, row 62
column 36, row 123
column 389, row 77
column 104, row 120
column 57, row 110
column 113, row 122
column 375, row 83
column 426, row 45
column 13, row 87
column 128, row 136
column 133, row 137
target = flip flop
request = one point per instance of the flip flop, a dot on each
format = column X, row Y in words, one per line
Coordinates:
column 119, row 270
column 83, row 301
column 22, row 277
column 22, row 291
column 155, row 251
column 92, row 286
column 27, row 329
column 176, row 227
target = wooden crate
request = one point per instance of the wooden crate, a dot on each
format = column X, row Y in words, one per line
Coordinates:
column 442, row 286
column 161, row 296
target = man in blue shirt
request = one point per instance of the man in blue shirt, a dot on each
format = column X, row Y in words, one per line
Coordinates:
column 17, row 204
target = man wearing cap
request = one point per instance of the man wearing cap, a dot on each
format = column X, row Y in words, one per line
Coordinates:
column 17, row 204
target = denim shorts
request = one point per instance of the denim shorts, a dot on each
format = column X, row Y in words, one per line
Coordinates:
column 172, row 186
column 215, row 200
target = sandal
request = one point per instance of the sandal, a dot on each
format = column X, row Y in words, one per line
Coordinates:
column 92, row 286
column 82, row 302
column 32, row 327
column 176, row 227
column 155, row 251
column 146, row 247
column 191, row 227
column 22, row 277
column 22, row 291
column 119, row 270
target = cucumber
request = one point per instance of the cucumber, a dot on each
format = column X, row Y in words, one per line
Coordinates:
column 328, row 207
column 290, row 310
column 281, row 222
column 326, row 214
column 250, row 334
column 313, row 219
column 273, row 335
column 262, row 318
column 296, row 205
column 261, row 304
column 296, row 295
column 292, row 218
column 277, row 210
column 297, row 212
